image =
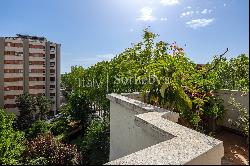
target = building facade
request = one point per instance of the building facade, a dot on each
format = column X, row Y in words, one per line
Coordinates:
column 29, row 64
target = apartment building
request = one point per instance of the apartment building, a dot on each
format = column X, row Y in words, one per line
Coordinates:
column 28, row 64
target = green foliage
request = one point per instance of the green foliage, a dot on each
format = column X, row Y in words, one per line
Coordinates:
column 165, row 76
column 27, row 106
column 44, row 106
column 46, row 149
column 95, row 144
column 214, row 108
column 38, row 128
column 65, row 109
column 243, row 119
column 26, row 103
column 11, row 141
column 80, row 107
column 231, row 74
column 38, row 161
column 60, row 126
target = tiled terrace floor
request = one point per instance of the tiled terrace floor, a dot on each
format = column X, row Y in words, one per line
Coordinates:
column 235, row 147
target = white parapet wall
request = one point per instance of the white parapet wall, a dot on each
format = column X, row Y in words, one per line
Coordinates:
column 232, row 114
column 142, row 134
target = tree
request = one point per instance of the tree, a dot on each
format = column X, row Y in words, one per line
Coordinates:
column 80, row 107
column 231, row 74
column 178, row 86
column 26, row 103
column 27, row 108
column 95, row 144
column 43, row 105
column 11, row 141
column 38, row 128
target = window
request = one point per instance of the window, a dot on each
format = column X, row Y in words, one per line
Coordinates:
column 13, row 79
column 13, row 61
column 13, row 70
column 52, row 70
column 37, row 46
column 52, row 64
column 9, row 97
column 9, row 52
column 52, row 56
column 37, row 87
column 52, row 86
column 52, row 94
column 9, row 44
column 9, row 88
column 37, row 70
column 52, row 48
column 18, row 53
column 36, row 78
column 37, row 54
column 10, row 106
column 52, row 79
column 36, row 62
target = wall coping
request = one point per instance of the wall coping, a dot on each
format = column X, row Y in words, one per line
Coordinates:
column 140, row 107
column 184, row 144
column 228, row 91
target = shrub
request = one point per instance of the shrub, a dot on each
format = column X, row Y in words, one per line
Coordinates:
column 214, row 108
column 59, row 126
column 37, row 128
column 11, row 141
column 95, row 144
column 242, row 122
column 48, row 149
column 38, row 161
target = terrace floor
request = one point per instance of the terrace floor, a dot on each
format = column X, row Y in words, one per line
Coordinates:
column 235, row 148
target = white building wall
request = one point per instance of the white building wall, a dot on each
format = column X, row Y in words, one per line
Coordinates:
column 232, row 114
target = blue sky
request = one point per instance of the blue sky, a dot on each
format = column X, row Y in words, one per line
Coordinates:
column 95, row 30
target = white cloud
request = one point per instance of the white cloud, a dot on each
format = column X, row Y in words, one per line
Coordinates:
column 199, row 23
column 97, row 58
column 204, row 11
column 190, row 13
column 163, row 19
column 224, row 4
column 131, row 30
column 106, row 56
column 187, row 13
column 169, row 2
column 188, row 7
column 146, row 14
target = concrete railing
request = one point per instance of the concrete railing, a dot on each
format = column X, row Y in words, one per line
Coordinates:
column 146, row 134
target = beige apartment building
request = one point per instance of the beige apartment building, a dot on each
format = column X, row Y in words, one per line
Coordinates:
column 28, row 64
